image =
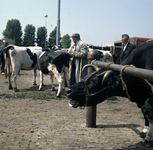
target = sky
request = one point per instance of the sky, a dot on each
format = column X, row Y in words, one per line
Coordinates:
column 98, row 22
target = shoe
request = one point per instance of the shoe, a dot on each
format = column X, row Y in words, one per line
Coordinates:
column 2, row 73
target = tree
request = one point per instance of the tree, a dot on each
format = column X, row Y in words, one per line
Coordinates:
column 13, row 32
column 66, row 41
column 41, row 36
column 52, row 38
column 29, row 35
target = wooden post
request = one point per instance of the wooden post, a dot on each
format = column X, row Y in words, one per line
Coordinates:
column 91, row 112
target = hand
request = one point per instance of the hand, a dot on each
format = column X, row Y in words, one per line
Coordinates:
column 66, row 50
column 73, row 52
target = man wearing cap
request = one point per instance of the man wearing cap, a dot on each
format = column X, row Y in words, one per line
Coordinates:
column 2, row 56
column 79, row 59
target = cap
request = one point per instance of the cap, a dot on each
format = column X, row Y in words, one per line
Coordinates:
column 76, row 35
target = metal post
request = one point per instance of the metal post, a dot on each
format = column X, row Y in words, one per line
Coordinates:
column 45, row 27
column 91, row 111
column 58, row 25
column 132, row 71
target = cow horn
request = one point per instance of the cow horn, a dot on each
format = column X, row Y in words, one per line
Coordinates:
column 90, row 65
column 107, row 74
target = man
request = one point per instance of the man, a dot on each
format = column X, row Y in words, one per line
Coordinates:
column 2, row 56
column 127, row 47
column 79, row 54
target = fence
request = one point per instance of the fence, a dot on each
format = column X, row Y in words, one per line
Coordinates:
column 133, row 71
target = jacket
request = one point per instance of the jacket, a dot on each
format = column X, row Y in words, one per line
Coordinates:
column 79, row 60
column 124, row 54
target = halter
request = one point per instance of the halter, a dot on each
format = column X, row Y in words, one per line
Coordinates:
column 88, row 95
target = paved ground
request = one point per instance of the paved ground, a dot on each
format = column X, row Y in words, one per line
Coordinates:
column 37, row 120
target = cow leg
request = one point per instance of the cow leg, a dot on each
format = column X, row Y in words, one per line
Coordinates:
column 15, row 85
column 60, row 86
column 59, row 78
column 41, row 80
column 34, row 76
column 145, row 130
column 52, row 82
column 15, row 70
column 147, row 109
column 9, row 71
column 149, row 137
column 66, row 73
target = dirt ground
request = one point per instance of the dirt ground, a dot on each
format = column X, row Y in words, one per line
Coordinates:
column 32, row 119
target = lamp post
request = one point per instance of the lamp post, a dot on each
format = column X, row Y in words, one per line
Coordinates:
column 58, row 25
column 45, row 27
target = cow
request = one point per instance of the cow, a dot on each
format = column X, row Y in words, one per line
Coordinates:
column 55, row 63
column 21, row 58
column 98, row 86
column 104, row 56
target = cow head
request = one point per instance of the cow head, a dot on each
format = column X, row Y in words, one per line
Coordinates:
column 95, row 88
column 98, row 86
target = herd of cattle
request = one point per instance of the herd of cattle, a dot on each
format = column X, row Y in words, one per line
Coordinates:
column 53, row 63
column 96, row 87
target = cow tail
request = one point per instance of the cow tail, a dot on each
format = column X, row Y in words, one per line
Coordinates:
column 8, row 66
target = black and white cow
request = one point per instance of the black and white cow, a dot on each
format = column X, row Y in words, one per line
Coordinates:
column 21, row 58
column 55, row 63
column 98, row 87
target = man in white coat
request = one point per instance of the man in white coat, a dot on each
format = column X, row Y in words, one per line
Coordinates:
column 79, row 59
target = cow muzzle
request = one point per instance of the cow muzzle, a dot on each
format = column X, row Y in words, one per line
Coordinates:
column 68, row 91
column 72, row 103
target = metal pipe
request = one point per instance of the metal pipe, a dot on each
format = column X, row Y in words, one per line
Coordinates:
column 58, row 25
column 133, row 71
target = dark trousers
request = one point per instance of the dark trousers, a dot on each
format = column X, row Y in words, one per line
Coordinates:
column 2, row 63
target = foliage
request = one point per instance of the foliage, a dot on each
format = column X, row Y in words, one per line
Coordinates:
column 13, row 32
column 66, row 41
column 29, row 35
column 10, row 41
column 52, row 38
column 41, row 36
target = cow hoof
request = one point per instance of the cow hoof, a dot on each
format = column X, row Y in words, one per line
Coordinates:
column 16, row 90
column 145, row 143
column 58, row 95
column 53, row 89
column 149, row 144
column 34, row 84
column 10, row 87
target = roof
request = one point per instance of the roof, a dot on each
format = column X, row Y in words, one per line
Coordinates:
column 102, row 47
column 136, row 39
column 141, row 39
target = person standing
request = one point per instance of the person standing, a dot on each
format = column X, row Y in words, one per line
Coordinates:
column 2, row 56
column 79, row 54
column 127, row 47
